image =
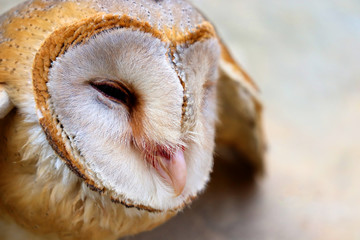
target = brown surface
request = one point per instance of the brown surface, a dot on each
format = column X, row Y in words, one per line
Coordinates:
column 305, row 57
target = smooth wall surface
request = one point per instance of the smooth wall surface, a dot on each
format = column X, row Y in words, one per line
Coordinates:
column 305, row 57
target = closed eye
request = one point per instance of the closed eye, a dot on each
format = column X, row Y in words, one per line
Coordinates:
column 209, row 84
column 113, row 90
column 209, row 89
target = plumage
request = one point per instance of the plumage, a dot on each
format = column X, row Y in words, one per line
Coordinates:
column 115, row 107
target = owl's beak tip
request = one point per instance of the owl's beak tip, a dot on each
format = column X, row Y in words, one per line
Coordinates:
column 172, row 168
column 180, row 172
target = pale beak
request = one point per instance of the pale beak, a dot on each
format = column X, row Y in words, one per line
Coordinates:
column 172, row 168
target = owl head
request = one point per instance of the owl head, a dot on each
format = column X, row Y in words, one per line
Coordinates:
column 131, row 112
column 127, row 92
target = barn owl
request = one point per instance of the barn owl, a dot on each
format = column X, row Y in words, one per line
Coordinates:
column 110, row 111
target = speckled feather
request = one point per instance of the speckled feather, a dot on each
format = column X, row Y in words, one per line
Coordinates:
column 27, row 156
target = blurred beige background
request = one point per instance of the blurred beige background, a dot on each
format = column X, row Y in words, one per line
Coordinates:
column 305, row 56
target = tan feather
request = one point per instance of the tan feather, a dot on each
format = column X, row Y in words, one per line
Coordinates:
column 239, row 133
column 46, row 180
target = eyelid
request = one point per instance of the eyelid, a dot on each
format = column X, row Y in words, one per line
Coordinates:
column 115, row 83
column 113, row 90
column 209, row 84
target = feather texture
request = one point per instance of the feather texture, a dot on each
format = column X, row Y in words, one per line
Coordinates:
column 115, row 105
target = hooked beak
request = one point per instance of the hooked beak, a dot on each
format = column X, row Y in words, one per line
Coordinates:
column 171, row 166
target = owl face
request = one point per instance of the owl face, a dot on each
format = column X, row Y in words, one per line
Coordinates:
column 138, row 114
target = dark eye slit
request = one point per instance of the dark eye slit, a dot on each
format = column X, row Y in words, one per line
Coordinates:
column 114, row 91
column 209, row 84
